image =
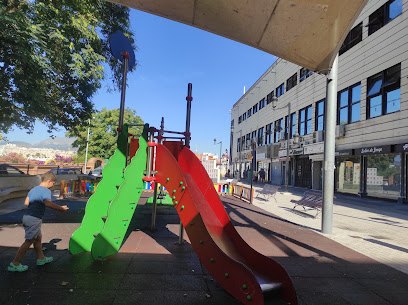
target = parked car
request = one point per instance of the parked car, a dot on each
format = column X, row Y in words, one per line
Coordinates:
column 65, row 171
column 97, row 172
column 6, row 169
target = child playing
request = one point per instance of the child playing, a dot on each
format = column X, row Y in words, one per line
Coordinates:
column 37, row 199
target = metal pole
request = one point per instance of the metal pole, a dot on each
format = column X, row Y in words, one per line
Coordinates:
column 189, row 98
column 287, row 153
column 252, row 170
column 86, row 151
column 149, row 174
column 329, row 150
column 122, row 97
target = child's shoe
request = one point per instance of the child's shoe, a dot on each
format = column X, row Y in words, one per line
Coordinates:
column 18, row 268
column 46, row 260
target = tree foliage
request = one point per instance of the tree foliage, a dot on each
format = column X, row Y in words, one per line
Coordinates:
column 52, row 56
column 103, row 132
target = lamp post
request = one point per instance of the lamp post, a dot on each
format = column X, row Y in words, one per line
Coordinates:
column 215, row 143
column 87, row 143
column 287, row 170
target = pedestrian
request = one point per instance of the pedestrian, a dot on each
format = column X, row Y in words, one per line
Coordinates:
column 37, row 199
column 262, row 175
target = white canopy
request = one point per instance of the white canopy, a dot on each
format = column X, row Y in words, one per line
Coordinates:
column 306, row 32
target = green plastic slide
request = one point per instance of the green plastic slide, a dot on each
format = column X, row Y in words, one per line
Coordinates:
column 97, row 205
column 123, row 205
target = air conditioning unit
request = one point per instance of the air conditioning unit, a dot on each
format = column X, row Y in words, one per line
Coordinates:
column 318, row 136
column 340, row 131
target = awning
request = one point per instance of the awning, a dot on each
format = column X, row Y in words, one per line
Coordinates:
column 306, row 32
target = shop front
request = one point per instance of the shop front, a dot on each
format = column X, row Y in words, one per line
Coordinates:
column 348, row 168
column 382, row 172
column 315, row 154
column 263, row 162
column 402, row 149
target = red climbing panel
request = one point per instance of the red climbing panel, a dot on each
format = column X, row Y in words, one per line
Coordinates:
column 134, row 146
column 239, row 269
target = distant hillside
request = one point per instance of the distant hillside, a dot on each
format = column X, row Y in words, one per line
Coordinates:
column 56, row 143
column 21, row 144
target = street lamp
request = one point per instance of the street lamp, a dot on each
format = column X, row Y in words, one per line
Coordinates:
column 87, row 143
column 215, row 143
column 274, row 104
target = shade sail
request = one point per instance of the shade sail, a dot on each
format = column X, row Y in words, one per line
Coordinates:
column 306, row 32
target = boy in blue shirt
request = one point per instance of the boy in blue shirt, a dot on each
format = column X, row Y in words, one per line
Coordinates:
column 37, row 199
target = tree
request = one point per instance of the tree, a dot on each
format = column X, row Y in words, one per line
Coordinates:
column 51, row 59
column 103, row 132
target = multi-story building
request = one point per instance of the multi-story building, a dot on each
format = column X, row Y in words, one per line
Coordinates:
column 285, row 111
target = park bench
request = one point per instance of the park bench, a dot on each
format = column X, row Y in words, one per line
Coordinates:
column 267, row 192
column 311, row 200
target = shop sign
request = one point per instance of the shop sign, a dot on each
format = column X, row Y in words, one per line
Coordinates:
column 375, row 150
column 261, row 156
column 317, row 157
column 344, row 153
column 275, row 160
column 249, row 157
column 296, row 151
column 314, row 148
column 401, row 147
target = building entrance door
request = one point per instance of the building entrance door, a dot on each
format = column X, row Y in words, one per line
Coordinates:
column 303, row 172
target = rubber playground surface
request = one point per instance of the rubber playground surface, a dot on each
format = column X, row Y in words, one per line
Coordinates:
column 151, row 268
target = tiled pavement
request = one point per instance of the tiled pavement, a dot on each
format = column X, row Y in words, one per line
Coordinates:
column 376, row 228
column 152, row 269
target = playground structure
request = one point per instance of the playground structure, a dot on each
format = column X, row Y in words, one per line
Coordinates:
column 168, row 165
column 246, row 274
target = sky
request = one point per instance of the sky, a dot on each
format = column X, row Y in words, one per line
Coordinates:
column 170, row 55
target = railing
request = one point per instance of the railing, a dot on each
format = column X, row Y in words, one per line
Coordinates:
column 223, row 188
column 149, row 186
column 38, row 169
column 242, row 192
column 75, row 187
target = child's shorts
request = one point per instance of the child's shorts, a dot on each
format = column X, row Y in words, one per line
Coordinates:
column 32, row 226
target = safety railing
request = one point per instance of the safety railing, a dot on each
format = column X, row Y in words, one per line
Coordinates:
column 223, row 188
column 242, row 192
column 77, row 187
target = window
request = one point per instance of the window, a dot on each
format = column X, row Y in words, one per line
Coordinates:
column 249, row 112
column 383, row 92
column 268, row 136
column 353, row 38
column 248, row 141
column 269, row 97
column 383, row 15
column 287, row 124
column 260, row 136
column 280, row 90
column 305, row 121
column 239, row 145
column 348, row 101
column 293, row 124
column 304, row 73
column 244, row 116
column 240, row 119
column 278, row 129
column 261, row 103
column 291, row 82
column 255, row 109
column 232, row 123
column 253, row 138
column 319, row 125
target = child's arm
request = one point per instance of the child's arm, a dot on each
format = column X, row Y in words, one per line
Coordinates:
column 52, row 205
column 27, row 201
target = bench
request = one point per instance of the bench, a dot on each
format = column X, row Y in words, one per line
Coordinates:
column 311, row 200
column 268, row 191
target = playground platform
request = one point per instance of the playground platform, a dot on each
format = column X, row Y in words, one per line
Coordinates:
column 151, row 268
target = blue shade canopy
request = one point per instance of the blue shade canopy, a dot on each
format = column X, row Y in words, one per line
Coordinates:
column 119, row 43
column 306, row 32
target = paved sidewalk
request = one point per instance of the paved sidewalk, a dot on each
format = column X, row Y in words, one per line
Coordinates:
column 376, row 228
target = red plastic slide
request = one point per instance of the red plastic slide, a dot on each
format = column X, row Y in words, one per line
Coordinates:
column 243, row 272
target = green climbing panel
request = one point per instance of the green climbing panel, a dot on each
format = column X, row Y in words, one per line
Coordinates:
column 123, row 205
column 97, row 205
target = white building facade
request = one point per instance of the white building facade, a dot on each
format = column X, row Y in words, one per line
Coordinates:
column 372, row 113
